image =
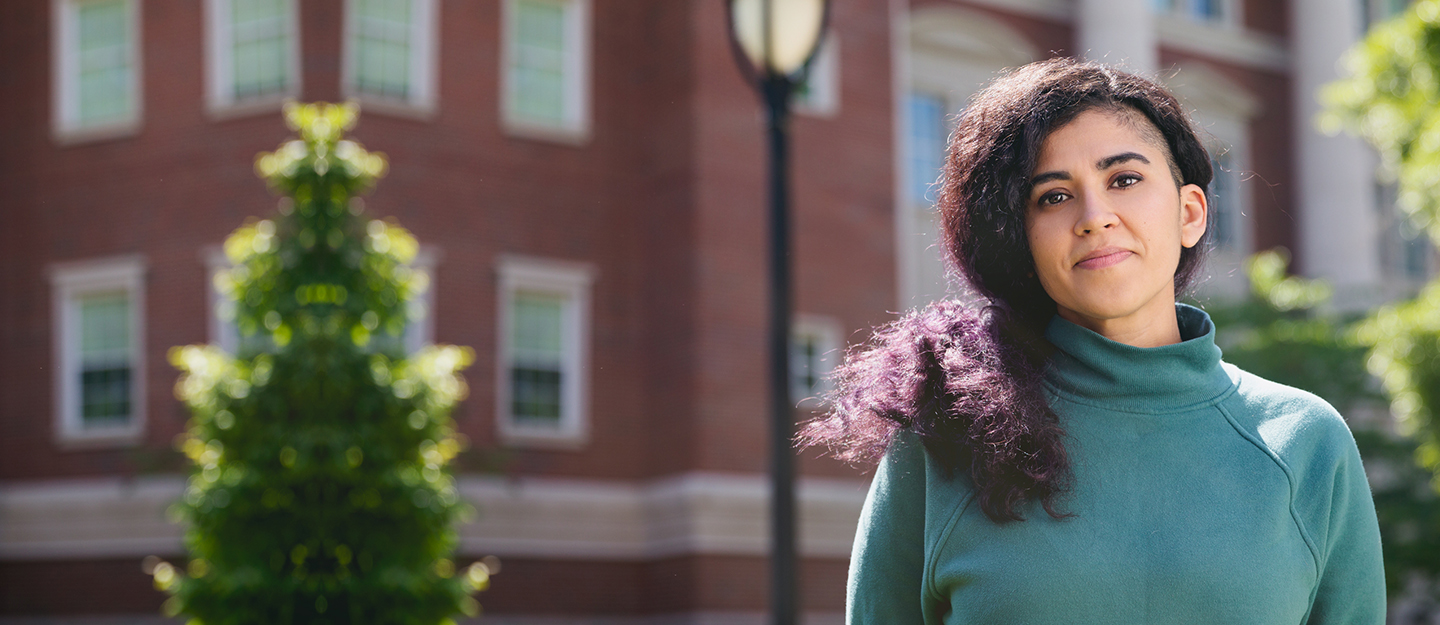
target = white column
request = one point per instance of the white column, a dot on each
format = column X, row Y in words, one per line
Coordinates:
column 1335, row 176
column 1120, row 32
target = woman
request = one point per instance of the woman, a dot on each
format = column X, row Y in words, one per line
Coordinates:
column 1076, row 452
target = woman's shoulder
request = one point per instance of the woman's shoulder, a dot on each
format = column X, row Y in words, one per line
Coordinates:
column 908, row 464
column 1297, row 426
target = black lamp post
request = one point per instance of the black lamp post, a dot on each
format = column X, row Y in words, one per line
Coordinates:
column 774, row 42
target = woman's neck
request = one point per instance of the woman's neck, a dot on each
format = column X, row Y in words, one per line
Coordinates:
column 1153, row 325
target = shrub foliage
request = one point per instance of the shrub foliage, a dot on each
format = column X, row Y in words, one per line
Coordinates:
column 1282, row 333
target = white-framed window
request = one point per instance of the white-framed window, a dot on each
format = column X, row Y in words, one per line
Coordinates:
column 926, row 135
column 814, row 352
column 98, row 321
column 1222, row 113
column 819, row 93
column 545, row 69
column 224, row 333
column 544, row 352
column 1209, row 11
column 1406, row 255
column 252, row 52
column 96, row 65
column 390, row 54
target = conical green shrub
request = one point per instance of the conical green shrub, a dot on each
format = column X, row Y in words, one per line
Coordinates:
column 320, row 492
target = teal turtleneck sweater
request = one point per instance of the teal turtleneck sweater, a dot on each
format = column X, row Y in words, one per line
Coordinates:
column 1202, row 494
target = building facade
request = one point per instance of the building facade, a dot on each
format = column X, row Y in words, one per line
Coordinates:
column 586, row 179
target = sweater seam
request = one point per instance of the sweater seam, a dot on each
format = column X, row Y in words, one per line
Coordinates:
column 934, row 557
column 1061, row 393
column 1294, row 490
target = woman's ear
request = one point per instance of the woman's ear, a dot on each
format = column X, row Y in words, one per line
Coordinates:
column 1194, row 209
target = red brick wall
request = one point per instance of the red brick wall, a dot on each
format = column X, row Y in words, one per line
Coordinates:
column 666, row 200
column 623, row 201
column 111, row 586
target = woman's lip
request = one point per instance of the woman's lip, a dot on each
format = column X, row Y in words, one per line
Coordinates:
column 1104, row 258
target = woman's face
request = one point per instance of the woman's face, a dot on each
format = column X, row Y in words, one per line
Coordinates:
column 1106, row 223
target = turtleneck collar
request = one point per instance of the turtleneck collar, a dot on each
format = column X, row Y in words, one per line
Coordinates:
column 1089, row 368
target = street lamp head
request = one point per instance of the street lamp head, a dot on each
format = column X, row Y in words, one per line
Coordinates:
column 794, row 28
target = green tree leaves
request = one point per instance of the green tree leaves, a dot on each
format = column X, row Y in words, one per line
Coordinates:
column 320, row 491
column 1388, row 96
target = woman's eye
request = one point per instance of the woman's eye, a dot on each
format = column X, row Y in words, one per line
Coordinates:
column 1051, row 199
column 1125, row 180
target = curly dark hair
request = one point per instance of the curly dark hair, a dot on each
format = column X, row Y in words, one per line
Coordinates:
column 967, row 380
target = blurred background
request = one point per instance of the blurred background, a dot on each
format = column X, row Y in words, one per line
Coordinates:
column 596, row 170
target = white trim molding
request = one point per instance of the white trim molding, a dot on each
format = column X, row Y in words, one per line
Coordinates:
column 220, row 95
column 697, row 513
column 67, row 125
column 69, row 282
column 90, row 518
column 1053, row 10
column 574, row 126
column 569, row 283
column 423, row 69
column 1220, row 42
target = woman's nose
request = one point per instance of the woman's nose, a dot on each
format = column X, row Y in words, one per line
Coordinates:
column 1097, row 215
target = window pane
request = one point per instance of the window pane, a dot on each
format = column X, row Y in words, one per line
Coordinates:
column 1208, row 10
column 104, row 64
column 104, row 395
column 261, row 41
column 383, row 47
column 927, row 146
column 535, row 394
column 102, row 25
column 1222, row 205
column 538, row 61
column 104, row 357
column 537, row 354
column 805, row 366
column 105, row 326
column 538, row 319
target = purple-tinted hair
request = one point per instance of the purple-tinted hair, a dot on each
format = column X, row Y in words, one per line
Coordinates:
column 967, row 381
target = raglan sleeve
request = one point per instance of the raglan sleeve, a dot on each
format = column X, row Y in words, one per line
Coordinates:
column 885, row 584
column 1351, row 585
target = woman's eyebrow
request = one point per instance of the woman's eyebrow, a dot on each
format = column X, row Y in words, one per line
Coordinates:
column 1040, row 179
column 1111, row 161
column 1102, row 164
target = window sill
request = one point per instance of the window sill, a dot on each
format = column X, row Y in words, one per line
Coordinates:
column 577, row 135
column 394, row 107
column 67, row 137
column 108, row 438
column 542, row 438
column 250, row 107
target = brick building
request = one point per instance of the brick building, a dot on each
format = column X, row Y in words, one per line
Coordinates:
column 595, row 167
